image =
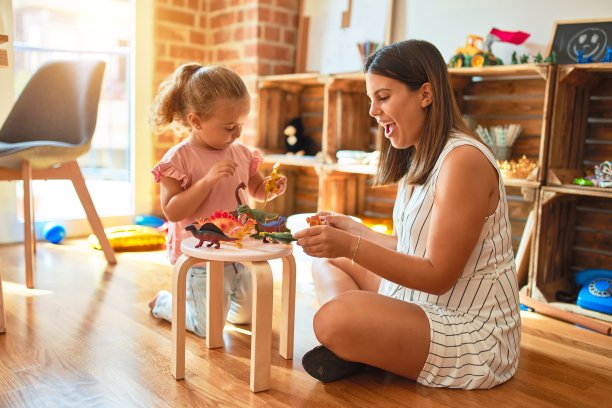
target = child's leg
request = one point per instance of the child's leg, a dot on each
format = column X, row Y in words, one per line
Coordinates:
column 241, row 296
column 162, row 307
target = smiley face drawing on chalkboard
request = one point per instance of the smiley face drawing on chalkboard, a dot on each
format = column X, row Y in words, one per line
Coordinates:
column 591, row 41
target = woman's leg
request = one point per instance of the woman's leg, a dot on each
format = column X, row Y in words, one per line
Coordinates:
column 365, row 327
column 334, row 276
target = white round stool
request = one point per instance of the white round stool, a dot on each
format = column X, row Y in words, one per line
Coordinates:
column 255, row 256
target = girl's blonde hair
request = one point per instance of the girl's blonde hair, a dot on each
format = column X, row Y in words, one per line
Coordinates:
column 416, row 62
column 194, row 88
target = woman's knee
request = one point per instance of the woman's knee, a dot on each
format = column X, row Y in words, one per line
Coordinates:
column 335, row 319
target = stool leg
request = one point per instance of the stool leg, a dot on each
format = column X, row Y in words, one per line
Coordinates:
column 214, row 305
column 261, row 326
column 287, row 308
column 179, row 287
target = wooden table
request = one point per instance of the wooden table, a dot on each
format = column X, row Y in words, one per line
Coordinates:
column 255, row 256
column 3, row 63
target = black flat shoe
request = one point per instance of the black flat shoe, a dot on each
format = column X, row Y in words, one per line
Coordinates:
column 325, row 366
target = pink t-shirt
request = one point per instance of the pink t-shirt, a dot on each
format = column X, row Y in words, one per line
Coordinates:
column 188, row 163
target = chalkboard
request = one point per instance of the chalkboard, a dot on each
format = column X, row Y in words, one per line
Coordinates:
column 589, row 37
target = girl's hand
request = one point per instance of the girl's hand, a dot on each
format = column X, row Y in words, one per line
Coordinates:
column 223, row 169
column 324, row 241
column 281, row 184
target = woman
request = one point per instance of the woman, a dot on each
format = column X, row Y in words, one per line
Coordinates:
column 437, row 302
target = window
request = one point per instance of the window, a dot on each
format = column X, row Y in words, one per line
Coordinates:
column 76, row 29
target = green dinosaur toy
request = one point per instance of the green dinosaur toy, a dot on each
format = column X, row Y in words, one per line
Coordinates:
column 276, row 237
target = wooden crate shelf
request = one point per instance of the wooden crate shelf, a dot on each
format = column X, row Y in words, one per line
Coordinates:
column 581, row 133
column 574, row 233
column 501, row 95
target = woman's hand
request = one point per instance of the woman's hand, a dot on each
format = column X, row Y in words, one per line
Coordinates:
column 324, row 241
column 341, row 222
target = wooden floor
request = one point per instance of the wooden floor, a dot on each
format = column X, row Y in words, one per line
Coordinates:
column 85, row 338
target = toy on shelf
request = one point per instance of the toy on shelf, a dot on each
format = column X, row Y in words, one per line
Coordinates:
column 601, row 178
column 471, row 55
column 296, row 140
column 131, row 238
column 500, row 139
column 523, row 168
column 596, row 290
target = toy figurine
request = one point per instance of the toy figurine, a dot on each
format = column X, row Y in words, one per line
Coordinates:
column 296, row 140
column 208, row 232
column 271, row 184
column 538, row 59
column 524, row 59
column 608, row 56
column 276, row 237
column 514, row 59
column 552, row 58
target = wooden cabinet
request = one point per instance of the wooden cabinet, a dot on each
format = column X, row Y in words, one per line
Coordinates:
column 574, row 223
column 334, row 109
column 3, row 53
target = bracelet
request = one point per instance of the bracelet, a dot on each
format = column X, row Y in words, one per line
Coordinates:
column 355, row 252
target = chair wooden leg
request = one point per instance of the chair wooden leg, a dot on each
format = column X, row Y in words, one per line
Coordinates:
column 92, row 215
column 214, row 305
column 179, row 287
column 261, row 326
column 28, row 236
column 287, row 308
column 2, row 318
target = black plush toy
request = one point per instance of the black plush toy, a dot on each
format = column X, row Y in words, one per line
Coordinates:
column 296, row 141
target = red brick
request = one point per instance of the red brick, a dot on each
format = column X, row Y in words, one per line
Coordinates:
column 250, row 50
column 217, row 5
column 292, row 5
column 283, row 69
column 186, row 53
column 161, row 50
column 280, row 17
column 222, row 20
column 244, row 68
column 221, row 36
column 289, row 37
column 245, row 33
column 195, row 5
column 167, row 32
column 273, row 52
column 225, row 54
column 174, row 16
column 179, row 3
column 164, row 67
column 196, row 37
column 265, row 15
column 272, row 33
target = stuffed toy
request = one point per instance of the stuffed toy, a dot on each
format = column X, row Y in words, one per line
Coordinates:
column 296, row 141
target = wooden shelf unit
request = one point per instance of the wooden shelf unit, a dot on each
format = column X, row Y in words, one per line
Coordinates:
column 574, row 223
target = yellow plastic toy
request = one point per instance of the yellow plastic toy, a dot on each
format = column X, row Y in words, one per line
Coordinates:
column 270, row 185
column 131, row 238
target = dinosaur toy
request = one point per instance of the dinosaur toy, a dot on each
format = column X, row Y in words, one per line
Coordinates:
column 230, row 225
column 208, row 232
column 277, row 225
column 257, row 215
column 276, row 237
column 270, row 185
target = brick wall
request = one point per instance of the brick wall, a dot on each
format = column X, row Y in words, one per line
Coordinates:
column 252, row 37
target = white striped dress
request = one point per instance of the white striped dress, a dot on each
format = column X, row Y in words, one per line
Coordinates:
column 475, row 326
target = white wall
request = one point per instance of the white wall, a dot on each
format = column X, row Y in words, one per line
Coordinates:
column 446, row 23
